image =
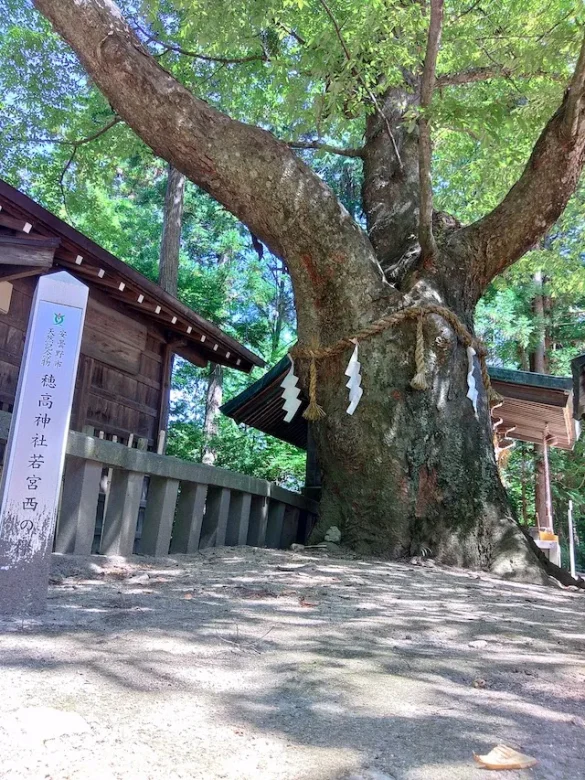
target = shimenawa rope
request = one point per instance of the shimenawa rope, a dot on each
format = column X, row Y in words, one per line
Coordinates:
column 419, row 382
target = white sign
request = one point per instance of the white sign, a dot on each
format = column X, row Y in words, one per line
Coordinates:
column 35, row 452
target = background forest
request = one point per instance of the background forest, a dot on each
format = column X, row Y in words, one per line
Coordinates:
column 59, row 145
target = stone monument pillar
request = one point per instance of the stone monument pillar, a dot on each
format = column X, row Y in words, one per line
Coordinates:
column 35, row 453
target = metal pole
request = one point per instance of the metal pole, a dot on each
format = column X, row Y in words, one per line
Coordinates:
column 571, row 540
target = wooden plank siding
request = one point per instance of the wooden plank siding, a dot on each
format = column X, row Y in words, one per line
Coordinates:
column 123, row 394
column 120, row 377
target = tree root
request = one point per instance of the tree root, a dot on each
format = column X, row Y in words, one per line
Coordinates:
column 562, row 575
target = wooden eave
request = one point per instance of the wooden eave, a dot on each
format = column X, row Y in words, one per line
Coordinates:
column 260, row 406
column 533, row 405
column 24, row 219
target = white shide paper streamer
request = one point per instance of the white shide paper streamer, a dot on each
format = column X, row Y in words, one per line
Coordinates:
column 472, row 393
column 291, row 393
column 355, row 380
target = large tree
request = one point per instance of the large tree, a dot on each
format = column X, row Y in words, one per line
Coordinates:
column 411, row 470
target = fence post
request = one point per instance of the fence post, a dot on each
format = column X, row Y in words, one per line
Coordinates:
column 122, row 513
column 81, row 488
column 214, row 526
column 258, row 521
column 158, row 518
column 190, row 509
column 238, row 519
column 275, row 523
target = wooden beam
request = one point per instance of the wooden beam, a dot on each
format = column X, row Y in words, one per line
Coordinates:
column 26, row 251
column 537, row 395
column 8, row 273
column 15, row 223
column 191, row 354
column 165, row 392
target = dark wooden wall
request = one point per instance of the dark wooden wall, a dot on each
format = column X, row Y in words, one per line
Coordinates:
column 119, row 383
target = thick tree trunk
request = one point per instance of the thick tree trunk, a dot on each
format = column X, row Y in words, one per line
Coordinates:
column 212, row 404
column 413, row 472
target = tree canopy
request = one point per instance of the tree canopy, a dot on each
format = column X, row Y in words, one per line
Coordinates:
column 501, row 72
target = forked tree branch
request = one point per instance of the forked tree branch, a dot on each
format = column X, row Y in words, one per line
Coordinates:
column 66, row 141
column 75, row 146
column 425, row 148
column 541, row 193
column 150, row 38
column 293, row 34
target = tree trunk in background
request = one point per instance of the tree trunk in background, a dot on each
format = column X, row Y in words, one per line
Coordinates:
column 538, row 365
column 168, row 271
column 523, row 358
column 212, row 404
column 168, row 268
column 547, row 306
column 279, row 322
column 213, row 399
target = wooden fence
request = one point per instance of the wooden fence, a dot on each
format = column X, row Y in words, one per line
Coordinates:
column 156, row 504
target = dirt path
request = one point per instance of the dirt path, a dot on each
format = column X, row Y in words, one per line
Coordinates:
column 242, row 663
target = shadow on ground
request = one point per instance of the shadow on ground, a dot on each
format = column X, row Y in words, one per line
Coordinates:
column 243, row 663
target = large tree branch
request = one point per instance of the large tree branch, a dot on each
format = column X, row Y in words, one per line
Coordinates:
column 427, row 85
column 539, row 196
column 255, row 176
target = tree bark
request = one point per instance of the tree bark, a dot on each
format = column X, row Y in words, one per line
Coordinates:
column 211, row 422
column 168, row 268
column 410, row 470
column 168, row 274
column 414, row 472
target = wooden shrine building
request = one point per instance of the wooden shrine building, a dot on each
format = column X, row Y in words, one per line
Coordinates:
column 132, row 327
column 535, row 408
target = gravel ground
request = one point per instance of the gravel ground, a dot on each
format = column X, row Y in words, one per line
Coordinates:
column 241, row 663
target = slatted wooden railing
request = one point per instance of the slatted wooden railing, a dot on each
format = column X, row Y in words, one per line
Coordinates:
column 188, row 506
